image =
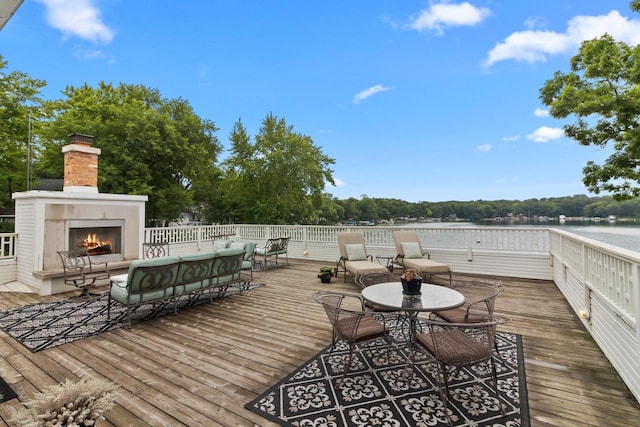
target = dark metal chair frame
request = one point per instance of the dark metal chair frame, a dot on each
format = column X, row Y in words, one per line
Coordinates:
column 79, row 271
column 155, row 250
column 272, row 248
column 456, row 345
column 351, row 322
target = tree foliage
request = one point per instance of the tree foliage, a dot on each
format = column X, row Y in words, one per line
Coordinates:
column 20, row 106
column 602, row 91
column 150, row 145
column 279, row 178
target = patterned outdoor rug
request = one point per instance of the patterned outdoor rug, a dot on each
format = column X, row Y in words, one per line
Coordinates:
column 377, row 393
column 6, row 392
column 50, row 324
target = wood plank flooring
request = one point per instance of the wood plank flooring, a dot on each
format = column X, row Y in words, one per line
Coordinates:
column 200, row 367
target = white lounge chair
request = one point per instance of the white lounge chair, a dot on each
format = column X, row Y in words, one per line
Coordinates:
column 353, row 256
column 411, row 255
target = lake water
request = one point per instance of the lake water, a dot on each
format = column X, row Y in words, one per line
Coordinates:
column 622, row 234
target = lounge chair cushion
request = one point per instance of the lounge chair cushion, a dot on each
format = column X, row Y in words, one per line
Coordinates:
column 424, row 265
column 411, row 250
column 363, row 267
column 355, row 252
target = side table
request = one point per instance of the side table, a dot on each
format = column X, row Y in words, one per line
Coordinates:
column 388, row 259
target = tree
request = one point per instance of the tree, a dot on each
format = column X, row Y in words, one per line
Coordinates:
column 150, row 145
column 602, row 91
column 20, row 107
column 277, row 179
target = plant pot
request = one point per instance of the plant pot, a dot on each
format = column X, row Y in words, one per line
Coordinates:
column 325, row 278
column 411, row 287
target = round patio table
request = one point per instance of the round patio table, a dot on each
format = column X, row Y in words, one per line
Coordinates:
column 432, row 298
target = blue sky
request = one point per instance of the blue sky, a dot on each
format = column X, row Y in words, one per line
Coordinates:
column 416, row 100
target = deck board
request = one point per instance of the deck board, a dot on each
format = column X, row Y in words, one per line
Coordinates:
column 201, row 366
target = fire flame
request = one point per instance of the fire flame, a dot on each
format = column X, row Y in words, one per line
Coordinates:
column 93, row 242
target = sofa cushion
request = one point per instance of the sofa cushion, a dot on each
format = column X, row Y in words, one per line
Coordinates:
column 197, row 256
column 247, row 247
column 152, row 262
column 120, row 295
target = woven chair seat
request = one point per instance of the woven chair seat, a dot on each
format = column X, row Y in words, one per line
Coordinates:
column 351, row 323
column 367, row 329
column 454, row 347
column 480, row 299
column 460, row 315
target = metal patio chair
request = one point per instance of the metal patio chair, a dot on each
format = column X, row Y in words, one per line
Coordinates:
column 351, row 322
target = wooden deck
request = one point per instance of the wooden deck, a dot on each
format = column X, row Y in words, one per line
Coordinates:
column 200, row 367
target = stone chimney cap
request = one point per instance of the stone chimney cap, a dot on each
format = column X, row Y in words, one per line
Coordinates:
column 80, row 138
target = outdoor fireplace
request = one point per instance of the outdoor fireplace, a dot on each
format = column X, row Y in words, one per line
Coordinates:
column 96, row 237
column 79, row 217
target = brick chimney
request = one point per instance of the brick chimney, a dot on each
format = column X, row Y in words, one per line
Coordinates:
column 80, row 164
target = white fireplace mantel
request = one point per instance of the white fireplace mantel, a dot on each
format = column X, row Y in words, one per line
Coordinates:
column 42, row 220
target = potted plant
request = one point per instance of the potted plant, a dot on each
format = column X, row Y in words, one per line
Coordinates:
column 411, row 282
column 325, row 275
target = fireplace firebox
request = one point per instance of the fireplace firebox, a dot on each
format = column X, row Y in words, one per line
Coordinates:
column 96, row 237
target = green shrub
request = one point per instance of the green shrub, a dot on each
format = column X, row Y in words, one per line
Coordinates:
column 7, row 227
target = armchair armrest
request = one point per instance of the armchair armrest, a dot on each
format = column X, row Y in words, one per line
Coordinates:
column 119, row 281
column 93, row 262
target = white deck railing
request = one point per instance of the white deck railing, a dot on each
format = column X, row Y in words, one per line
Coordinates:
column 7, row 245
column 8, row 263
column 601, row 282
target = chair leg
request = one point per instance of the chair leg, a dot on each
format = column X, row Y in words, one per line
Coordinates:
column 347, row 366
column 443, row 382
column 495, row 385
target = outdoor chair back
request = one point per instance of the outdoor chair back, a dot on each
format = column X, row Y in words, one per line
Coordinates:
column 458, row 345
column 410, row 254
column 353, row 256
column 350, row 321
column 79, row 270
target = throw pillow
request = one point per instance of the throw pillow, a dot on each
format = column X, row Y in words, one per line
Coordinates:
column 220, row 244
column 411, row 250
column 236, row 245
column 355, row 252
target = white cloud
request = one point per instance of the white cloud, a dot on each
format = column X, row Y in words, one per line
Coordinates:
column 545, row 134
column 511, row 138
column 537, row 45
column 484, row 147
column 338, row 183
column 441, row 15
column 361, row 96
column 535, row 22
column 539, row 112
column 86, row 54
column 79, row 18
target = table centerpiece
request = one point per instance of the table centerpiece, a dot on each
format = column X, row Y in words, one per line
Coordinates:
column 411, row 282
